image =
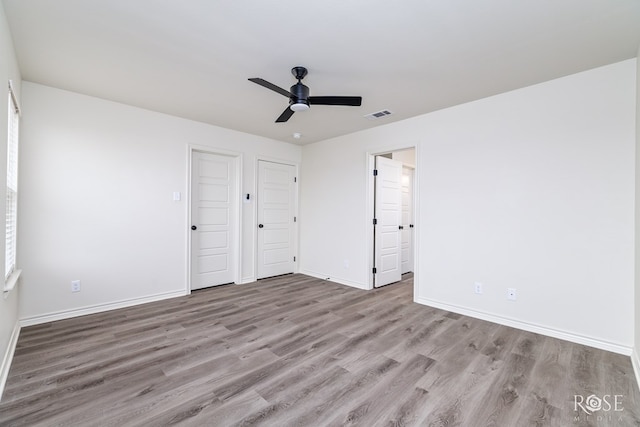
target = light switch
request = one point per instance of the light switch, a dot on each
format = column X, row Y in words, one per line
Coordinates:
column 176, row 196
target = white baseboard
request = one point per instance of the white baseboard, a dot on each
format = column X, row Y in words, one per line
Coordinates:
column 530, row 327
column 635, row 362
column 98, row 308
column 8, row 357
column 335, row 279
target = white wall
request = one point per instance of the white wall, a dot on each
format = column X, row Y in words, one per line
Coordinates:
column 9, row 301
column 96, row 183
column 531, row 189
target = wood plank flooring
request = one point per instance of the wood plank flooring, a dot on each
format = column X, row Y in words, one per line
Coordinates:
column 299, row 351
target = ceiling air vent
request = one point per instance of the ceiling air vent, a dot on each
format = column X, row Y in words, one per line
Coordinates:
column 378, row 115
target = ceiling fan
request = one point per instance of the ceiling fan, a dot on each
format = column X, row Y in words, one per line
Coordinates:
column 299, row 99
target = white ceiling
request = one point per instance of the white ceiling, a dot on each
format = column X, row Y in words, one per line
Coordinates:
column 192, row 58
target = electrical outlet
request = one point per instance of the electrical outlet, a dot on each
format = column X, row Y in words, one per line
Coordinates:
column 478, row 287
column 346, row 263
column 75, row 286
column 511, row 294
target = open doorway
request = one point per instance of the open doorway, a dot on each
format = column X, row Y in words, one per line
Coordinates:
column 393, row 216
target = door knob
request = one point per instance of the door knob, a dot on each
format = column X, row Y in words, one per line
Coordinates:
column 193, row 227
column 400, row 227
column 260, row 225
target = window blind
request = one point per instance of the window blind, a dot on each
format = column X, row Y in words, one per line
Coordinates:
column 11, row 220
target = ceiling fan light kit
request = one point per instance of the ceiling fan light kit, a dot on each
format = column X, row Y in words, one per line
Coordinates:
column 299, row 99
column 299, row 106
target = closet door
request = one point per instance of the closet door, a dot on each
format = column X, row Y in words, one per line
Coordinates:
column 406, row 240
column 276, row 211
column 214, row 219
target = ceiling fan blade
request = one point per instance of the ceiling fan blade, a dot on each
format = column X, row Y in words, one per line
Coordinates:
column 353, row 101
column 271, row 86
column 286, row 115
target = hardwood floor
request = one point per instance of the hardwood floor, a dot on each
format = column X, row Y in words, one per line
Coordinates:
column 295, row 350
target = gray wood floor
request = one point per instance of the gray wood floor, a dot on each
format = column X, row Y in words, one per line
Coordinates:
column 295, row 350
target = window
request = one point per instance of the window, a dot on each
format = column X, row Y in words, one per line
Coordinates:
column 11, row 221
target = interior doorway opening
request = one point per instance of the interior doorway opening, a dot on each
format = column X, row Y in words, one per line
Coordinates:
column 393, row 213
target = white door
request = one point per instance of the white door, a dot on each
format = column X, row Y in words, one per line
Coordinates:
column 276, row 222
column 388, row 210
column 214, row 215
column 406, row 241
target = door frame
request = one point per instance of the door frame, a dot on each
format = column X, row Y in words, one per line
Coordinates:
column 370, row 206
column 237, row 158
column 296, row 210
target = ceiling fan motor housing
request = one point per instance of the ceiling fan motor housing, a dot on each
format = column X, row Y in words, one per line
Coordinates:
column 300, row 95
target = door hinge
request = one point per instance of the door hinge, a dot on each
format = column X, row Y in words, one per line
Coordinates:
column 375, row 221
column 375, row 172
column 295, row 219
column 294, row 259
column 374, row 270
column 295, row 179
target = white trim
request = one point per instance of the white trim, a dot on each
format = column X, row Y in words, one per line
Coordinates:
column 98, row 308
column 8, row 357
column 416, row 222
column 14, row 98
column 187, row 222
column 635, row 362
column 369, row 206
column 338, row 280
column 530, row 327
column 12, row 281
